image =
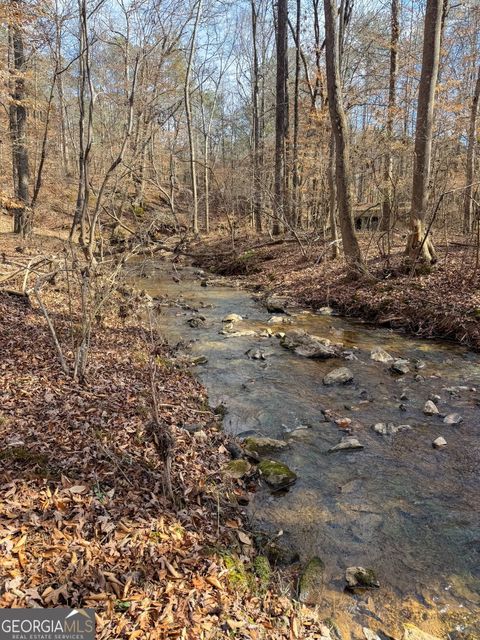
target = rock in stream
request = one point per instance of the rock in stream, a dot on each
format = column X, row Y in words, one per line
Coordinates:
column 276, row 474
column 308, row 346
column 341, row 375
column 311, row 582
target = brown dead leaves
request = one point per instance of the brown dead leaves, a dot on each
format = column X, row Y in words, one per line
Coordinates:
column 83, row 519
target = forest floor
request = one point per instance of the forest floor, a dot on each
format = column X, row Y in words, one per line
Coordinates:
column 444, row 303
column 84, row 520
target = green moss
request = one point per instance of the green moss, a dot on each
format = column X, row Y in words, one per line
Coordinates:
column 276, row 474
column 164, row 363
column 311, row 581
column 263, row 571
column 237, row 468
column 257, row 447
column 138, row 210
column 238, row 576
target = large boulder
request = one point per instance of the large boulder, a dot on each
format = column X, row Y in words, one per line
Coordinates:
column 340, row 375
column 308, row 346
column 311, row 582
column 276, row 474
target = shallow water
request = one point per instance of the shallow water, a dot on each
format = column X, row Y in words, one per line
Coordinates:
column 399, row 506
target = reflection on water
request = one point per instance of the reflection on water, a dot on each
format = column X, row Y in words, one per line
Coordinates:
column 399, row 506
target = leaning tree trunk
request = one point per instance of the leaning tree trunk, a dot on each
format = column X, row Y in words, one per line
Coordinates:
column 340, row 129
column 388, row 168
column 18, row 124
column 470, row 171
column 420, row 246
column 280, row 116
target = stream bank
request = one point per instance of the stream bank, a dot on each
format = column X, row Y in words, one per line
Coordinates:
column 84, row 521
column 444, row 303
column 398, row 505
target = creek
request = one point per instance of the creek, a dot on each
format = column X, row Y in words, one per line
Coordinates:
column 409, row 511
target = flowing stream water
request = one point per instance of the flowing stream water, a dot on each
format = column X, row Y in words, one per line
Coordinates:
column 399, row 506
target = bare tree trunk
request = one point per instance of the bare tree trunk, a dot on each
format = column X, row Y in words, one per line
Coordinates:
column 61, row 94
column 206, row 178
column 141, row 148
column 318, row 90
column 470, row 171
column 18, row 120
column 420, row 246
column 257, row 178
column 332, row 199
column 85, row 126
column 296, row 219
column 340, row 129
column 12, row 110
column 280, row 115
column 188, row 113
column 388, row 168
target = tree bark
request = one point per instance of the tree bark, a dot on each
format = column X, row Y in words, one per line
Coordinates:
column 188, row 113
column 257, row 178
column 419, row 246
column 18, row 132
column 296, row 214
column 388, row 169
column 280, row 115
column 342, row 147
column 332, row 199
column 470, row 169
column 61, row 94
